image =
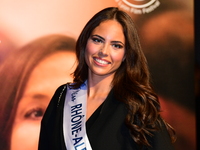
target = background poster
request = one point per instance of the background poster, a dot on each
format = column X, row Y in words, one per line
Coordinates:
column 30, row 72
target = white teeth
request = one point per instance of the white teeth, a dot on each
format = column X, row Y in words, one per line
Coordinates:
column 101, row 61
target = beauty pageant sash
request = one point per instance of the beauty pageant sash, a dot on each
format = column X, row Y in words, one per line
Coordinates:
column 74, row 119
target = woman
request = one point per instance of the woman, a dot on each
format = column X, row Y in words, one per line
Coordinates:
column 110, row 105
column 28, row 79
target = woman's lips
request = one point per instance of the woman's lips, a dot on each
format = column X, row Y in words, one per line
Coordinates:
column 101, row 61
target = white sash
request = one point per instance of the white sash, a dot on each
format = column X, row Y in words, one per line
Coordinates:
column 74, row 119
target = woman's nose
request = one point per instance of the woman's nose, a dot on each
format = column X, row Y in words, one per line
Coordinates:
column 103, row 51
column 101, row 54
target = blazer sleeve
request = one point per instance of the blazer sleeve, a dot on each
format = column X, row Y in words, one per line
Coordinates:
column 161, row 139
column 51, row 124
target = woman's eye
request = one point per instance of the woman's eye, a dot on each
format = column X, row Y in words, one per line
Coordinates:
column 118, row 46
column 97, row 40
column 34, row 114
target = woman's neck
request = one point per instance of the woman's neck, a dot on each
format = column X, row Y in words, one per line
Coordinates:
column 98, row 89
column 99, row 85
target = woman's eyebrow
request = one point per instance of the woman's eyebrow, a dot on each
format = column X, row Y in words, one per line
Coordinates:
column 104, row 39
column 39, row 96
column 98, row 36
column 117, row 42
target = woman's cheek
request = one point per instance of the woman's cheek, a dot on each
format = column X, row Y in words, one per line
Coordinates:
column 26, row 129
column 25, row 135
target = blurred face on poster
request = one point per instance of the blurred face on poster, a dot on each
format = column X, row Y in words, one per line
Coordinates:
column 50, row 73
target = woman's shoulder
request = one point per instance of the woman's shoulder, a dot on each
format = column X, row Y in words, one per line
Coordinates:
column 55, row 102
column 59, row 94
column 61, row 88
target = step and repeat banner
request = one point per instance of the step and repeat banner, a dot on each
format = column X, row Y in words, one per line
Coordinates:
column 37, row 41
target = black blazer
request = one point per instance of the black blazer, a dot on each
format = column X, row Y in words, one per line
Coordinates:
column 105, row 128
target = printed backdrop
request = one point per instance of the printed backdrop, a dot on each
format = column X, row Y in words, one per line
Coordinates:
column 167, row 35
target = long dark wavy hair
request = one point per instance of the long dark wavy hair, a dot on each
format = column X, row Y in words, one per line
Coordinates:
column 131, row 83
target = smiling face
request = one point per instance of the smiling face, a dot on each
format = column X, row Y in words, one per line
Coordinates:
column 105, row 49
column 50, row 73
